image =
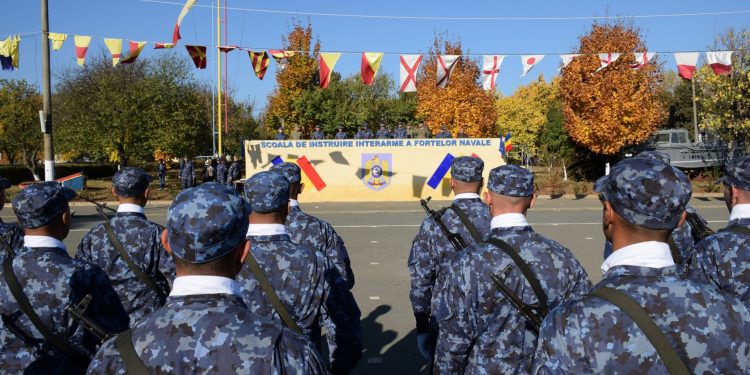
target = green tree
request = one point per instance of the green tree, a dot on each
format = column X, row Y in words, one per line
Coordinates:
column 20, row 132
column 677, row 98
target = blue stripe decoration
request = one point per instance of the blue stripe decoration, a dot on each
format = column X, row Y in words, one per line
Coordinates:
column 440, row 172
column 277, row 160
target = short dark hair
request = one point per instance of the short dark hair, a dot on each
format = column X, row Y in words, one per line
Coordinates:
column 219, row 266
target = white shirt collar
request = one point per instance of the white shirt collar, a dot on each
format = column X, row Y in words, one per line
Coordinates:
column 740, row 211
column 508, row 221
column 652, row 254
column 42, row 241
column 293, row 203
column 200, row 284
column 265, row 229
column 129, row 207
column 466, row 196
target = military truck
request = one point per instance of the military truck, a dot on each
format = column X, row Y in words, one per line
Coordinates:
column 710, row 152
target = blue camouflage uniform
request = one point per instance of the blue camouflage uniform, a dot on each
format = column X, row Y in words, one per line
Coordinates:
column 234, row 173
column 210, row 330
column 444, row 133
column 305, row 280
column 309, row 231
column 709, row 330
column 368, row 134
column 480, row 331
column 221, row 171
column 280, row 136
column 187, row 173
column 400, row 132
column 383, row 133
column 10, row 234
column 360, row 134
column 317, row 134
column 430, row 248
column 723, row 259
column 51, row 280
column 341, row 134
column 141, row 238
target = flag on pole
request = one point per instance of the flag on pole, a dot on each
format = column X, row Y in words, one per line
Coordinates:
column 506, row 144
column 686, row 62
column 227, row 49
column 163, row 45
column 720, row 62
column 408, row 72
column 82, row 46
column 440, row 172
column 490, row 70
column 9, row 53
column 185, row 9
column 311, row 173
column 115, row 49
column 642, row 58
column 327, row 61
column 529, row 61
column 370, row 65
column 606, row 59
column 566, row 59
column 57, row 40
column 135, row 49
column 445, row 66
column 281, row 56
column 198, row 54
column 260, row 61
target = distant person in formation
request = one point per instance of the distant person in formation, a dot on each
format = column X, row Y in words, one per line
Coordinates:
column 221, row 170
column 360, row 133
column 467, row 217
column 49, row 280
column 400, row 131
column 209, row 171
column 305, row 229
column 409, row 131
column 317, row 134
column 341, row 133
column 161, row 171
column 280, row 136
column 11, row 236
column 461, row 133
column 707, row 331
column 481, row 331
column 723, row 259
column 295, row 134
column 205, row 328
column 444, row 133
column 383, row 133
column 368, row 133
column 305, row 280
column 235, row 171
column 187, row 173
column 421, row 132
column 141, row 290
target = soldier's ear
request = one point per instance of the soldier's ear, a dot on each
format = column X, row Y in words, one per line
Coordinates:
column 114, row 193
column 683, row 217
column 488, row 198
column 301, row 188
column 165, row 242
column 532, row 203
column 245, row 251
column 145, row 194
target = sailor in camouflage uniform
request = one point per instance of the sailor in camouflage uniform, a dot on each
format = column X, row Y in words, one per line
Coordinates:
column 341, row 134
column 51, row 281
column 140, row 238
column 307, row 230
column 235, row 171
column 317, row 134
column 723, row 259
column 481, row 332
column 187, row 173
column 205, row 328
column 306, row 281
column 430, row 248
column 221, row 170
column 643, row 200
column 10, row 235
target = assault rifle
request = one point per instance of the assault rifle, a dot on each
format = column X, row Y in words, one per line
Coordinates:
column 528, row 311
column 100, row 207
column 79, row 314
column 699, row 229
column 455, row 239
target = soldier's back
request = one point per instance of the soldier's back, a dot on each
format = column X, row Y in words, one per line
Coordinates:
column 212, row 334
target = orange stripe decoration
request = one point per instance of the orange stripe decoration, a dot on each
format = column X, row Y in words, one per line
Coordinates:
column 311, row 173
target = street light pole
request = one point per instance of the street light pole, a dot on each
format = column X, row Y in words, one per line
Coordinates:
column 49, row 150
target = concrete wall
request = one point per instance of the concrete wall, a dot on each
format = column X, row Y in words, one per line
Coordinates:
column 346, row 166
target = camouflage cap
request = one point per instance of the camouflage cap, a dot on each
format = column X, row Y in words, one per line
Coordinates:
column 206, row 222
column 737, row 173
column 647, row 192
column 512, row 181
column 4, row 183
column 267, row 191
column 131, row 182
column 39, row 203
column 656, row 155
column 600, row 183
column 290, row 171
column 467, row 169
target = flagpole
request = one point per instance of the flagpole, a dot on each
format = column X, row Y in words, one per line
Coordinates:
column 49, row 149
column 226, row 71
column 695, row 112
column 213, row 101
column 218, row 69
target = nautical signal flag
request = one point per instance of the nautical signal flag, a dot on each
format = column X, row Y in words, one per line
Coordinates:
column 327, row 61
column 57, row 40
column 227, row 49
column 720, row 62
column 642, row 58
column 529, row 61
column 115, row 49
column 82, row 46
column 506, row 144
column 370, row 65
column 566, row 59
column 490, row 70
column 445, row 66
column 260, row 61
column 281, row 57
column 163, row 45
column 311, row 173
column 198, row 54
column 408, row 72
column 686, row 62
column 440, row 172
column 606, row 59
column 185, row 9
column 135, row 50
column 9, row 52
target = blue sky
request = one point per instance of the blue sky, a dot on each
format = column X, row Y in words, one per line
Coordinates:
column 142, row 20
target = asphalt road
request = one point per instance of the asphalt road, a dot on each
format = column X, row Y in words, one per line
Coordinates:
column 378, row 237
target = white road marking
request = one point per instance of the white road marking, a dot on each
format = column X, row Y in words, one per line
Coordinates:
column 373, row 241
column 374, row 263
column 589, row 238
column 375, row 298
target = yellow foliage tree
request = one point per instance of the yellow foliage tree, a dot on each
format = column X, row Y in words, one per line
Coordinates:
column 608, row 109
column 524, row 114
column 463, row 104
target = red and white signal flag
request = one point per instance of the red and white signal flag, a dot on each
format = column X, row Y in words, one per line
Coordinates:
column 490, row 70
column 686, row 62
column 642, row 58
column 408, row 72
column 720, row 62
column 529, row 61
column 445, row 66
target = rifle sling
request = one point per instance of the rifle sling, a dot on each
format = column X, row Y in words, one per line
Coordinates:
column 526, row 270
column 664, row 349
column 133, row 363
column 129, row 261
column 740, row 230
column 270, row 294
column 467, row 223
column 673, row 249
column 62, row 345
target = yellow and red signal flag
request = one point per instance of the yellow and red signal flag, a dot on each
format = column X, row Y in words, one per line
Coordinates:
column 82, row 46
column 198, row 53
column 280, row 56
column 115, row 48
column 57, row 40
column 227, row 49
column 260, row 61
column 185, row 9
column 370, row 65
column 135, row 49
column 163, row 45
column 327, row 61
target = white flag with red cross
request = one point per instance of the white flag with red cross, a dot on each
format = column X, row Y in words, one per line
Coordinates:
column 642, row 59
column 445, row 66
column 490, row 70
column 408, row 72
column 529, row 61
column 606, row 59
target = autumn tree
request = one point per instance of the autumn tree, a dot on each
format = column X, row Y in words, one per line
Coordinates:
column 524, row 114
column 608, row 109
column 463, row 104
column 20, row 134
